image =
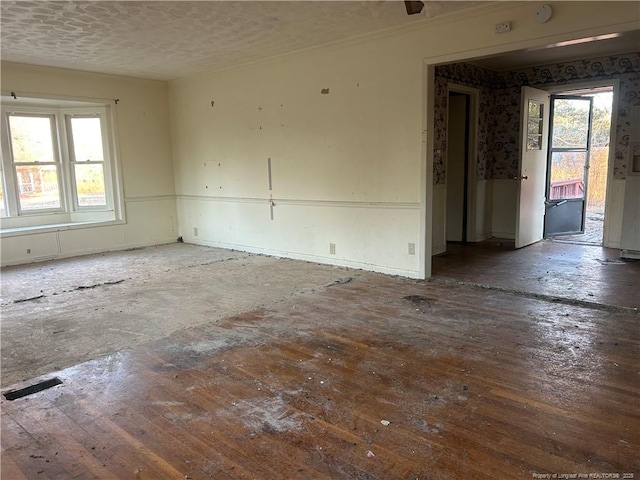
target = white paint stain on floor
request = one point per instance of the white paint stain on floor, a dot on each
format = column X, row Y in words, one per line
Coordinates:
column 267, row 414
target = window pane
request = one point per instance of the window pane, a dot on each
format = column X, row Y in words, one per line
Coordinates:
column 31, row 139
column 534, row 142
column 38, row 187
column 534, row 127
column 87, row 139
column 567, row 175
column 570, row 123
column 90, row 184
column 535, row 109
column 3, row 210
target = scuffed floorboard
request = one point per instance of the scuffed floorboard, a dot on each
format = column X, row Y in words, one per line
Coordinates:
column 375, row 378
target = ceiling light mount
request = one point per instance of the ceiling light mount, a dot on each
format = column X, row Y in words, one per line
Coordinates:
column 413, row 8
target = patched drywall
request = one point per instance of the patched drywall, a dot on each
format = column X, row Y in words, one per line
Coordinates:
column 348, row 168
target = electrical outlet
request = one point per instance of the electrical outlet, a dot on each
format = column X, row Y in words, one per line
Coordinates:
column 28, row 250
column 412, row 249
column 332, row 248
column 503, row 27
column 195, row 231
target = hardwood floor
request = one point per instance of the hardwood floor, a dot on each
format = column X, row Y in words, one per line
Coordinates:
column 585, row 273
column 473, row 384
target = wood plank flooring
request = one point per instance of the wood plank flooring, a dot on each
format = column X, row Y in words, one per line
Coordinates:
column 578, row 272
column 474, row 384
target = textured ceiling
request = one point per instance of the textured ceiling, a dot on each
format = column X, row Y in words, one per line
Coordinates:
column 165, row 40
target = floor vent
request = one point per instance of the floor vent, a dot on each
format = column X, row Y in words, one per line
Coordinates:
column 31, row 389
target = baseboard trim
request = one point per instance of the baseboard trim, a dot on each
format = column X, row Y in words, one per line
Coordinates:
column 89, row 251
column 505, row 235
column 338, row 262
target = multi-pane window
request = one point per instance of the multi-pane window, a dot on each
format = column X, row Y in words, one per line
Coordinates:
column 534, row 125
column 35, row 162
column 55, row 161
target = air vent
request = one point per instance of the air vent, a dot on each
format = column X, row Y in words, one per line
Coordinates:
column 31, row 389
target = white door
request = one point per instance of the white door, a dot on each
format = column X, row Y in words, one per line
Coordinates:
column 532, row 174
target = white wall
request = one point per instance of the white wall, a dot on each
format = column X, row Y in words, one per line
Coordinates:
column 144, row 156
column 483, row 212
column 439, row 234
column 504, row 198
column 630, row 232
column 346, row 165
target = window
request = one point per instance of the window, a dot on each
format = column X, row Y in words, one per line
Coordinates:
column 534, row 125
column 56, row 165
column 3, row 210
column 86, row 155
column 35, row 162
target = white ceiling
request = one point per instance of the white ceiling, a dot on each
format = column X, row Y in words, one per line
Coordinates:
column 165, row 40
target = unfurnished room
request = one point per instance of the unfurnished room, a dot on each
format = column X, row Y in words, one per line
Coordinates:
column 320, row 239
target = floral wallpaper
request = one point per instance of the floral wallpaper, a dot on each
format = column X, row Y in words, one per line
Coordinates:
column 499, row 123
column 468, row 75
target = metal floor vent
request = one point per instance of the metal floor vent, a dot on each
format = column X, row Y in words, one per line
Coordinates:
column 31, row 389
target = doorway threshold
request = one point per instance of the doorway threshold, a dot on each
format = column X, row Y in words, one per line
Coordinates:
column 575, row 241
column 593, row 231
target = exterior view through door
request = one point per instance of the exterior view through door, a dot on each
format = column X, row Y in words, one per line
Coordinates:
column 577, row 166
column 568, row 165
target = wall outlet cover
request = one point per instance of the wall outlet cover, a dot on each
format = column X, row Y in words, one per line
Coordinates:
column 503, row 27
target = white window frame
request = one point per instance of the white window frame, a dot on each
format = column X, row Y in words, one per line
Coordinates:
column 12, row 182
column 88, row 113
column 70, row 212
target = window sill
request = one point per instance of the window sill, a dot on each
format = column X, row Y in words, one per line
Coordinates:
column 20, row 231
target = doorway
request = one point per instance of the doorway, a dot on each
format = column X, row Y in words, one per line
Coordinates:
column 461, row 222
column 577, row 166
column 457, row 166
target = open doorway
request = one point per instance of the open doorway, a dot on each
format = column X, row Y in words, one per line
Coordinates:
column 457, row 166
column 578, row 163
column 498, row 77
column 461, row 153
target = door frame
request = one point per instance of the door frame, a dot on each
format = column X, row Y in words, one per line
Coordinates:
column 614, row 83
column 471, row 160
column 427, row 113
column 550, row 204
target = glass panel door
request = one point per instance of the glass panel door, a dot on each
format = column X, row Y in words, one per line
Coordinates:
column 568, row 165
